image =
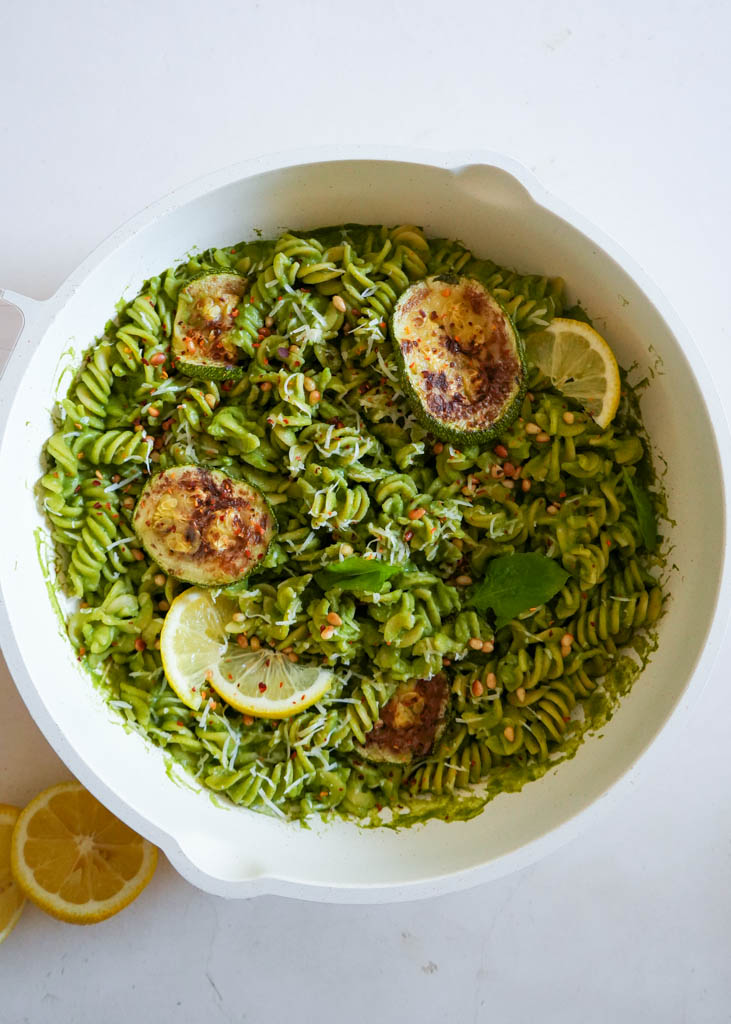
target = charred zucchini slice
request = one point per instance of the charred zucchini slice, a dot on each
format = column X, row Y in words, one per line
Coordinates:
column 411, row 722
column 201, row 526
column 462, row 361
column 205, row 325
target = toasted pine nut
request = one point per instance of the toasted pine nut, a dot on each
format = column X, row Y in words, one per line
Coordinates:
column 266, row 385
column 477, row 688
column 255, row 643
column 159, row 579
column 491, row 681
column 416, row 513
column 339, row 304
column 315, row 397
column 509, row 733
column 247, row 720
column 552, row 510
column 532, row 428
column 140, row 644
column 566, row 640
column 438, row 448
column 501, row 451
column 327, row 632
column 525, row 484
column 543, row 437
column 242, row 641
column 520, row 694
column 463, row 581
column 334, row 619
column 309, row 384
column 476, row 643
column 487, row 646
column 568, row 417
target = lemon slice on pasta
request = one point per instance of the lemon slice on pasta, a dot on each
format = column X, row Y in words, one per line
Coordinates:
column 580, row 364
column 197, row 657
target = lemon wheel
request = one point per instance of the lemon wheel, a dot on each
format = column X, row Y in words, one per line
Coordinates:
column 580, row 364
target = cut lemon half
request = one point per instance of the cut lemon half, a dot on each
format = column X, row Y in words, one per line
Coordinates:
column 74, row 859
column 580, row 364
column 12, row 899
column 196, row 655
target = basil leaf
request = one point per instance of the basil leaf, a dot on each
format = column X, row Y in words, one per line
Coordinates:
column 514, row 583
column 357, row 573
column 646, row 519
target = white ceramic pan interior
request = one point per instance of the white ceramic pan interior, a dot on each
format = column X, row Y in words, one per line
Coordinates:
column 501, row 212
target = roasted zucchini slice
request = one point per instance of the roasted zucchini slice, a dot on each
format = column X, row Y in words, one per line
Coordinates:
column 462, row 360
column 205, row 326
column 201, row 526
column 411, row 722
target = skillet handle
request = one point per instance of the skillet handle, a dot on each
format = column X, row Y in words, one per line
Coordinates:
column 18, row 315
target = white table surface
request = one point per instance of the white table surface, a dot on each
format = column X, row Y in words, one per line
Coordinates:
column 623, row 112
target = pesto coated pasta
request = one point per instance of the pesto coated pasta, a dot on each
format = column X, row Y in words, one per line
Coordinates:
column 316, row 419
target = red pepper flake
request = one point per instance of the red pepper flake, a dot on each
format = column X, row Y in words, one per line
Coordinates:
column 408, row 535
column 180, row 724
column 262, row 687
column 562, row 494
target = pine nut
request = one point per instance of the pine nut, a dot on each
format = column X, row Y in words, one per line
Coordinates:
column 477, row 688
column 463, row 581
column 416, row 513
column 327, row 632
column 509, row 733
column 315, row 397
column 476, row 643
column 568, row 417
column 488, row 647
column 339, row 304
column 532, row 428
column 334, row 619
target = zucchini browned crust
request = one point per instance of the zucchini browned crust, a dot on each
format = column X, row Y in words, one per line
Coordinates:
column 203, row 527
column 205, row 323
column 461, row 358
column 411, row 722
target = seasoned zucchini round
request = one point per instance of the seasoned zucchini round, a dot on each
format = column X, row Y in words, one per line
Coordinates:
column 462, row 360
column 205, row 323
column 201, row 526
column 411, row 722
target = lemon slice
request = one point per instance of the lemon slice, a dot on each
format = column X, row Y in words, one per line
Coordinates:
column 193, row 641
column 580, row 364
column 74, row 859
column 196, row 654
column 12, row 899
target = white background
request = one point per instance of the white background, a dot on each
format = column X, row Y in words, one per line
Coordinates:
column 622, row 109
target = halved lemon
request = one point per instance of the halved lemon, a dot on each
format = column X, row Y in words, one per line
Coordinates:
column 580, row 364
column 196, row 654
column 12, row 899
column 75, row 859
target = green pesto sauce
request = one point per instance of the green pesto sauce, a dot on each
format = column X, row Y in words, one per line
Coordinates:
column 510, row 778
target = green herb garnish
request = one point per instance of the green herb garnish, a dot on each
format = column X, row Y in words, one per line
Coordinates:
column 357, row 573
column 514, row 583
column 646, row 519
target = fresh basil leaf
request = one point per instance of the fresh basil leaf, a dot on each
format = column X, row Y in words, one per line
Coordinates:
column 514, row 583
column 357, row 573
column 646, row 519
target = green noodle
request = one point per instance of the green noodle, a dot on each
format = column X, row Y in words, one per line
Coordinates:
column 342, row 476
